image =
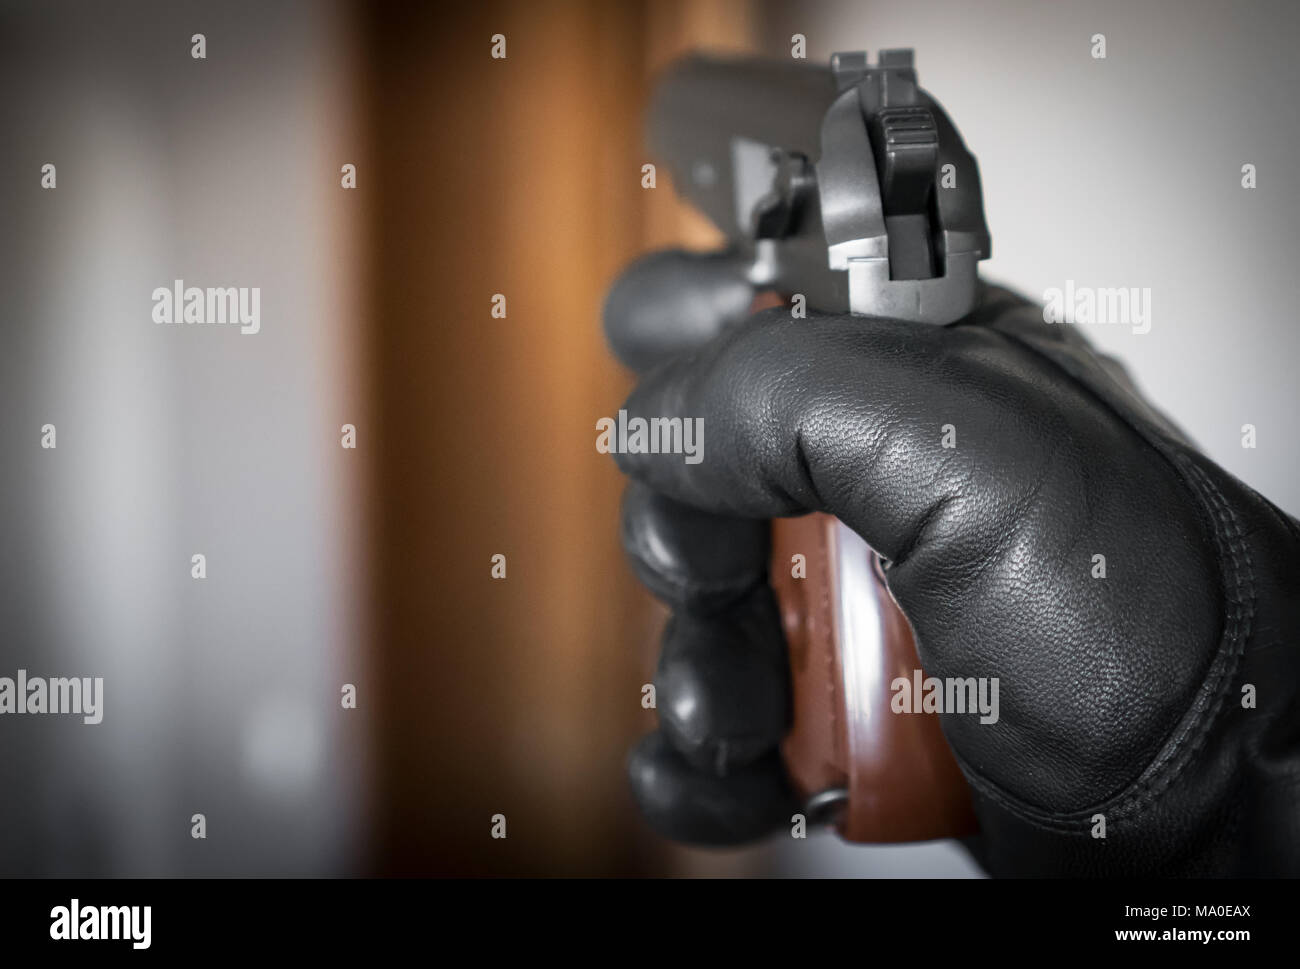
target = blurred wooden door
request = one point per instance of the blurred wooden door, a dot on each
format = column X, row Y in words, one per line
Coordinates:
column 521, row 177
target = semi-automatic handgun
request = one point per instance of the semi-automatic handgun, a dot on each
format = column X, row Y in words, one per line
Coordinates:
column 845, row 189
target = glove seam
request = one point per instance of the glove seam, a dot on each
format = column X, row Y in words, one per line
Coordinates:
column 1188, row 737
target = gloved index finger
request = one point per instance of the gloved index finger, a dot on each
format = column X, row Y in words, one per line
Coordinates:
column 673, row 301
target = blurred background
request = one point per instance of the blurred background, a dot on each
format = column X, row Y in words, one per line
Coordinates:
column 475, row 435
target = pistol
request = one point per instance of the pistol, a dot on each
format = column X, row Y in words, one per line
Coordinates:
column 844, row 189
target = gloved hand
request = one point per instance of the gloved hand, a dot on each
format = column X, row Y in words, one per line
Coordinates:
column 1125, row 696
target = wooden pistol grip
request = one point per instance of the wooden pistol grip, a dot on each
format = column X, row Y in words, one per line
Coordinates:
column 848, row 641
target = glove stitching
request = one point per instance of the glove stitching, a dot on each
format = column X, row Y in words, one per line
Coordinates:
column 1239, row 620
column 1189, row 735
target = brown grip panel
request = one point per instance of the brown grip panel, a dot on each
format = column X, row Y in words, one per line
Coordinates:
column 848, row 641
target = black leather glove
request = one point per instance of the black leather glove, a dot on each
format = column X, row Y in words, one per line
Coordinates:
column 1124, row 696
